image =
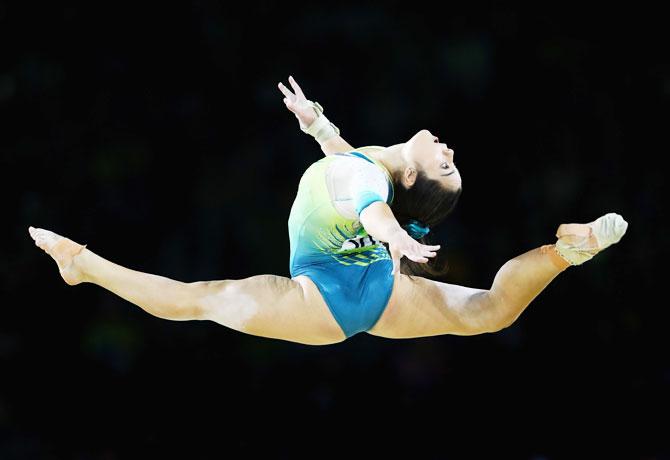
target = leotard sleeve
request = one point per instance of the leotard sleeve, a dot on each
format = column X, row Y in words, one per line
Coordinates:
column 368, row 185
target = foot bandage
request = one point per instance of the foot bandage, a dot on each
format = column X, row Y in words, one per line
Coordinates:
column 577, row 243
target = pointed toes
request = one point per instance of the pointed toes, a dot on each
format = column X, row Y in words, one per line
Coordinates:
column 621, row 223
column 620, row 227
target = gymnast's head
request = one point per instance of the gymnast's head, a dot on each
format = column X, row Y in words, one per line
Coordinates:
column 423, row 152
column 427, row 183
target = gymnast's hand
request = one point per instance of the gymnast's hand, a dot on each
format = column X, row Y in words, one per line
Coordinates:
column 401, row 244
column 298, row 103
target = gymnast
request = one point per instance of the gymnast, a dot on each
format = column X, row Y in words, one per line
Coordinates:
column 357, row 232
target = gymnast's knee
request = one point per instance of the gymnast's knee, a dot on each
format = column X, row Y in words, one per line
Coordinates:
column 203, row 297
column 492, row 313
column 232, row 303
column 501, row 324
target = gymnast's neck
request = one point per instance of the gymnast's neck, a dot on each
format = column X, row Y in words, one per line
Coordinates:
column 392, row 159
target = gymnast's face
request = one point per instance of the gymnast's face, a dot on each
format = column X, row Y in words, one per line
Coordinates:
column 425, row 152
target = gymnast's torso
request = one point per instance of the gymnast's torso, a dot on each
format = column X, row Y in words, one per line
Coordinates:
column 328, row 243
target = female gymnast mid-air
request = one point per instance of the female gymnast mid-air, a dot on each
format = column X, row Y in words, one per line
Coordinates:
column 357, row 231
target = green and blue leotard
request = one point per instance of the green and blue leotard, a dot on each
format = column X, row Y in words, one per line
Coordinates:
column 352, row 270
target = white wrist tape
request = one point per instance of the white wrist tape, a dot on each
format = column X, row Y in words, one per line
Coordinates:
column 321, row 129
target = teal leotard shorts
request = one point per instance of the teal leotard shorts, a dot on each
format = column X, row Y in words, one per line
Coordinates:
column 352, row 270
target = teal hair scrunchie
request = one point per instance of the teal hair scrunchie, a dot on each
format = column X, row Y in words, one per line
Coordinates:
column 416, row 229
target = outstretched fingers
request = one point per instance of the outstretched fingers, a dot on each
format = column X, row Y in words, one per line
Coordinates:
column 422, row 254
column 296, row 87
column 430, row 250
column 290, row 97
column 406, row 246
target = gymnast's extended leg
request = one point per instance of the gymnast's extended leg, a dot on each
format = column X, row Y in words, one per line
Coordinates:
column 421, row 307
column 264, row 305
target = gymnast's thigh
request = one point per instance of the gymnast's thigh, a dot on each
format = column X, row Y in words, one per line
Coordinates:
column 273, row 306
column 420, row 307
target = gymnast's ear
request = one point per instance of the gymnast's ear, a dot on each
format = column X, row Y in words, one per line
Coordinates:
column 409, row 176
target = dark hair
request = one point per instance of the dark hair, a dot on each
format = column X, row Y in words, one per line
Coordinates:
column 428, row 202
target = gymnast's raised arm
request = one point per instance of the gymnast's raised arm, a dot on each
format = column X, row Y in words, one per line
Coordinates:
column 307, row 112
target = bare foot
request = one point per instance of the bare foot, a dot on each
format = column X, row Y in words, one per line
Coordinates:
column 63, row 250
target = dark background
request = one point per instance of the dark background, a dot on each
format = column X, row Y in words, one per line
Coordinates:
column 156, row 134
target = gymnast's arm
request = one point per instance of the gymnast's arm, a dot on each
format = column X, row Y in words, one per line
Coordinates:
column 306, row 114
column 379, row 222
column 369, row 191
column 335, row 144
